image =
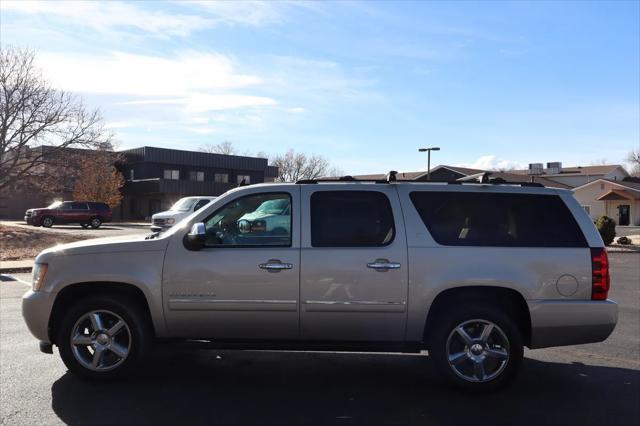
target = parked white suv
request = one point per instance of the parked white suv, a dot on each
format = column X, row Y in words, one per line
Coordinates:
column 181, row 209
column 471, row 272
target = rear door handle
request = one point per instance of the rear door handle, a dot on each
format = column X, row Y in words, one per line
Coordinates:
column 383, row 265
column 275, row 265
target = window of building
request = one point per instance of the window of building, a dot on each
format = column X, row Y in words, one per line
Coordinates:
column 351, row 219
column 254, row 220
column 131, row 174
column 172, row 174
column 497, row 220
column 197, row 176
column 221, row 178
column 602, row 187
column 587, row 209
column 246, row 178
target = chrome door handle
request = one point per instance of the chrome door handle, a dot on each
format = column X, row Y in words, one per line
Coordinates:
column 275, row 265
column 383, row 265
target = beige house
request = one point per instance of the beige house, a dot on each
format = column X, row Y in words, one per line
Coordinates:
column 620, row 200
column 579, row 175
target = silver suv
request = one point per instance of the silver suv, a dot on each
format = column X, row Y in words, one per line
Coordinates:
column 470, row 272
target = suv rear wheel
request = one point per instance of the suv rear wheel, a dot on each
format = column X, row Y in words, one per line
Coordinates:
column 95, row 222
column 103, row 337
column 476, row 346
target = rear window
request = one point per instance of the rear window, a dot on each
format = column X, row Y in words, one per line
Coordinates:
column 498, row 220
column 351, row 219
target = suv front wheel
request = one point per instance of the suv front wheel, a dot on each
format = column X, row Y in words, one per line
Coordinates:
column 476, row 346
column 103, row 337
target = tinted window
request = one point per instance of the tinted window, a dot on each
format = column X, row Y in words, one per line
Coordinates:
column 503, row 220
column 244, row 222
column 79, row 206
column 200, row 204
column 351, row 219
column 65, row 206
column 98, row 206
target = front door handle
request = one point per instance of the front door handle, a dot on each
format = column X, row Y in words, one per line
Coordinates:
column 383, row 265
column 274, row 265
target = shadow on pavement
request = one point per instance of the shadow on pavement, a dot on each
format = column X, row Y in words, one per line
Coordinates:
column 242, row 387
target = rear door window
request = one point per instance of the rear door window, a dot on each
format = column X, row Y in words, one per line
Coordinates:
column 351, row 219
column 499, row 220
column 79, row 206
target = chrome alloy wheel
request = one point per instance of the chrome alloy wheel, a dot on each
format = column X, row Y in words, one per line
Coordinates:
column 100, row 340
column 477, row 350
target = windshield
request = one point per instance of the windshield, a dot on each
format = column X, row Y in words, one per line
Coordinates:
column 183, row 205
column 273, row 206
column 54, row 205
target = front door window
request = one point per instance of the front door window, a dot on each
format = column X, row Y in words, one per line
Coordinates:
column 623, row 215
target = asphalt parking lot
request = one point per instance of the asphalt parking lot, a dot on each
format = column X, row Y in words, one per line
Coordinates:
column 596, row 384
column 106, row 230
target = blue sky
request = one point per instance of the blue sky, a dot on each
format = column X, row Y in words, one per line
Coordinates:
column 362, row 83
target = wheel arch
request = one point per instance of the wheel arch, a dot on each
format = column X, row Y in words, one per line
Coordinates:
column 73, row 292
column 512, row 301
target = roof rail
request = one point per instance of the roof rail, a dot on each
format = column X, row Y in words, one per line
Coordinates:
column 485, row 177
column 391, row 177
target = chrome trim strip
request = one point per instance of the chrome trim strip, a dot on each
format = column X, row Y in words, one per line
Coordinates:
column 351, row 302
column 205, row 300
column 189, row 304
column 354, row 306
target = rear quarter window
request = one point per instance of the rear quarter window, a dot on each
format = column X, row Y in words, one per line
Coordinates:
column 497, row 220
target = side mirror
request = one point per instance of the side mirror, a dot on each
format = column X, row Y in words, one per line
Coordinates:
column 196, row 237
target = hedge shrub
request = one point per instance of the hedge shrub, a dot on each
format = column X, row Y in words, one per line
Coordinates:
column 607, row 228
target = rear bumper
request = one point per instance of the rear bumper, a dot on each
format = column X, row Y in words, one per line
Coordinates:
column 571, row 322
column 36, row 310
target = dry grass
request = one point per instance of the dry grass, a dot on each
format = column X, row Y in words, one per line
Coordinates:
column 22, row 243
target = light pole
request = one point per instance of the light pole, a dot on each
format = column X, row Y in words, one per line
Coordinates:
column 428, row 151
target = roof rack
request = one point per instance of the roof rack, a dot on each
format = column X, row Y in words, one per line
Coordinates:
column 391, row 177
column 483, row 177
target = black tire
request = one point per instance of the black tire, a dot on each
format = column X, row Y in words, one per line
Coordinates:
column 138, row 336
column 84, row 225
column 47, row 221
column 467, row 313
column 95, row 222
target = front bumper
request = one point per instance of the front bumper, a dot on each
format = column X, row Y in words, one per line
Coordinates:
column 36, row 311
column 571, row 322
column 31, row 220
column 158, row 228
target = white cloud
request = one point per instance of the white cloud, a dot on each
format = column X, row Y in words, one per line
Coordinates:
column 492, row 162
column 139, row 75
column 202, row 103
column 105, row 16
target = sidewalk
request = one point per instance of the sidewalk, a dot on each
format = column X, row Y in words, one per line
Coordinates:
column 15, row 266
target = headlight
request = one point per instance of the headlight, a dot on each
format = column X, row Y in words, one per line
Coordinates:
column 39, row 271
column 171, row 221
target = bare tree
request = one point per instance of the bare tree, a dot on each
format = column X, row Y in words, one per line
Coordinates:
column 32, row 114
column 293, row 166
column 633, row 158
column 225, row 148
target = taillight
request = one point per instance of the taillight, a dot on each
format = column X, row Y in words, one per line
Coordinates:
column 599, row 273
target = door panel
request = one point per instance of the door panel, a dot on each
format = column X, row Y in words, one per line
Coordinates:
column 353, row 293
column 234, row 292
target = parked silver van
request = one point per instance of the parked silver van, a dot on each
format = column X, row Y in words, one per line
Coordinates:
column 470, row 272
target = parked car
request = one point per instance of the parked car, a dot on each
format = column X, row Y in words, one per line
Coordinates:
column 85, row 213
column 470, row 272
column 181, row 209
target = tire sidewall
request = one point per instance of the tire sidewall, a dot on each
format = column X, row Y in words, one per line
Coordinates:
column 91, row 222
column 131, row 314
column 43, row 223
column 448, row 320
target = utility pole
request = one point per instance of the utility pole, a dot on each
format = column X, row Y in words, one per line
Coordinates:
column 428, row 151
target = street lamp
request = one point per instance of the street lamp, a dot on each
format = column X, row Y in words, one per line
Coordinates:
column 428, row 151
